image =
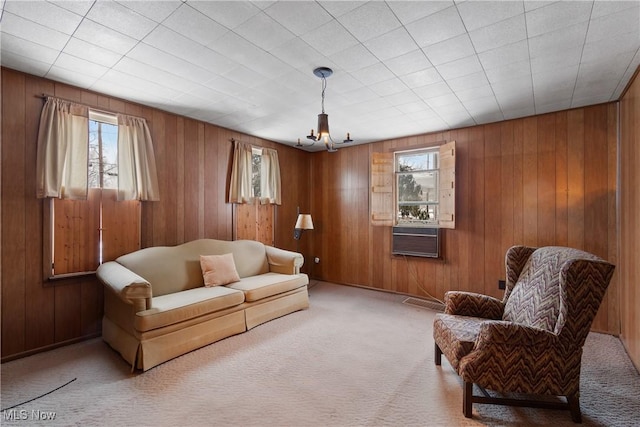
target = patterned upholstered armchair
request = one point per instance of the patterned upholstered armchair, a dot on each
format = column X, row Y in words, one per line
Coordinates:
column 531, row 341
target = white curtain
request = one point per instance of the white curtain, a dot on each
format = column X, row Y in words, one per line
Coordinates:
column 61, row 164
column 137, row 175
column 270, row 177
column 240, row 186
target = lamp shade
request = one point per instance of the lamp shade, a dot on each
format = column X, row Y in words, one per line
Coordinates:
column 323, row 126
column 304, row 222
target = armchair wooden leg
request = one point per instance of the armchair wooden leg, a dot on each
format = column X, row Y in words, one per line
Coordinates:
column 467, row 400
column 437, row 355
column 574, row 408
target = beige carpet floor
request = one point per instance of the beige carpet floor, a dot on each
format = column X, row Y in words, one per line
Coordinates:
column 356, row 357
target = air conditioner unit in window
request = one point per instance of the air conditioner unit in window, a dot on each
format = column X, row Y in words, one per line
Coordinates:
column 416, row 241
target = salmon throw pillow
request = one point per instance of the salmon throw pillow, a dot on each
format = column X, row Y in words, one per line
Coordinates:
column 218, row 270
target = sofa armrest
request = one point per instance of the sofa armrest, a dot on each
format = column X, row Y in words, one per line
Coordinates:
column 127, row 285
column 283, row 261
column 472, row 304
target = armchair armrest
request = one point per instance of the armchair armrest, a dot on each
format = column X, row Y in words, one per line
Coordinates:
column 127, row 285
column 283, row 261
column 472, row 304
column 504, row 333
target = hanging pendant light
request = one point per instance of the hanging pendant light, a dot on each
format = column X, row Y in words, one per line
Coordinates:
column 323, row 118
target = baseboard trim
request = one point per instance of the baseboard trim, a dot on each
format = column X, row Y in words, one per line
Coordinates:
column 49, row 347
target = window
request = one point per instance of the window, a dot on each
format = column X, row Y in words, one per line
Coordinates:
column 416, row 184
column 103, row 151
column 86, row 233
column 256, row 164
column 414, row 188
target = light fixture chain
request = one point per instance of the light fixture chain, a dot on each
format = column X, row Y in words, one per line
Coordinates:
column 324, row 86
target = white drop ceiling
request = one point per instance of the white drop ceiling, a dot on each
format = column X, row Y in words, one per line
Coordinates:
column 400, row 67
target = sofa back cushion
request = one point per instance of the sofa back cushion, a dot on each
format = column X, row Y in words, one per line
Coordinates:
column 172, row 269
column 535, row 298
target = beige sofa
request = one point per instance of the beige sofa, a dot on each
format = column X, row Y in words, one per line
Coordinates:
column 156, row 306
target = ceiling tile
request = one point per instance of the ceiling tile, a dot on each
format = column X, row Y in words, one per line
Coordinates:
column 170, row 63
column 572, row 37
column 91, row 52
column 172, row 82
column 27, row 65
column 104, row 37
column 373, row 74
column 435, row 28
column 625, row 22
column 392, row 44
column 70, row 76
column 503, row 33
column 389, row 87
column 80, row 7
column 46, row 14
column 339, row 8
column 554, row 59
column 299, row 17
column 73, row 63
column 408, row 63
column 556, row 16
column 602, row 8
column 121, row 19
column 228, row 13
column 433, row 90
column 499, row 57
column 404, row 97
column 298, row 54
column 29, row 30
column 452, row 64
column 329, row 38
column 409, row 11
column 515, row 70
column 264, row 32
column 437, row 102
column 477, row 14
column 474, row 80
column 157, row 11
column 370, row 20
column 353, row 58
column 26, row 48
column 422, row 78
column 460, row 67
column 474, row 93
column 195, row 25
column 611, row 47
column 449, row 50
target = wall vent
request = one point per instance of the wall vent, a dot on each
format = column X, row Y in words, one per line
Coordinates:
column 416, row 241
column 423, row 303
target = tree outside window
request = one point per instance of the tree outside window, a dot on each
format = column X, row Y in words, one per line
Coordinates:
column 417, row 187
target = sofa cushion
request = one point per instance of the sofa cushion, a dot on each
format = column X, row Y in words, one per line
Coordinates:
column 265, row 285
column 218, row 269
column 456, row 335
column 185, row 305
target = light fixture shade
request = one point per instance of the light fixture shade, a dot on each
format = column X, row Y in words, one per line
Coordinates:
column 323, row 125
column 304, row 222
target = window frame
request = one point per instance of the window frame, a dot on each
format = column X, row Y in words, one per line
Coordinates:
column 100, row 200
column 435, row 203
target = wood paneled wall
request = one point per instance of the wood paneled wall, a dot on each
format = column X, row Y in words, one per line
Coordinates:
column 193, row 160
column 629, row 265
column 542, row 180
